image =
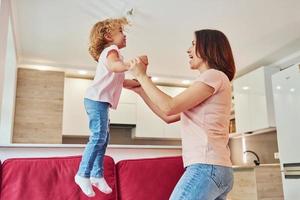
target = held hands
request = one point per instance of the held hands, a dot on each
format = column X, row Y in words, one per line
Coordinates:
column 133, row 85
column 128, row 83
column 144, row 59
column 138, row 66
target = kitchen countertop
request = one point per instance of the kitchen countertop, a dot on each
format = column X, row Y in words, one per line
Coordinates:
column 253, row 166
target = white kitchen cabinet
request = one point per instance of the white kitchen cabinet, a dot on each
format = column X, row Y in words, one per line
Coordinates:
column 126, row 110
column 75, row 120
column 253, row 100
column 128, row 96
column 151, row 126
column 131, row 110
column 172, row 131
column 148, row 125
column 124, row 114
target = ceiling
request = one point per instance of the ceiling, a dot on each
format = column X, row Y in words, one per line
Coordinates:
column 56, row 32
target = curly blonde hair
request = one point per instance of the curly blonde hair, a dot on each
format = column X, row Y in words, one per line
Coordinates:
column 97, row 39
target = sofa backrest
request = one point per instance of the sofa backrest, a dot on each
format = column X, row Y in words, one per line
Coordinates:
column 148, row 179
column 49, row 178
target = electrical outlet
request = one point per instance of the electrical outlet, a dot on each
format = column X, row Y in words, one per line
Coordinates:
column 276, row 155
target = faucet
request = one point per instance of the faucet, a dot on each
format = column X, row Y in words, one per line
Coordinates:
column 257, row 161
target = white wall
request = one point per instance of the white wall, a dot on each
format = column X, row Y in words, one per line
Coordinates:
column 8, row 73
column 4, row 15
column 9, row 90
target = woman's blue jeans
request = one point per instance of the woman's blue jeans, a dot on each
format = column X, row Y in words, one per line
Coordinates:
column 204, row 182
column 91, row 164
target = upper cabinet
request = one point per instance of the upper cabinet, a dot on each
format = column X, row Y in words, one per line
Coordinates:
column 131, row 110
column 126, row 110
column 150, row 126
column 253, row 99
column 75, row 120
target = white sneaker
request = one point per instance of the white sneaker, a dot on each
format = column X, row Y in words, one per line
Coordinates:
column 101, row 184
column 85, row 185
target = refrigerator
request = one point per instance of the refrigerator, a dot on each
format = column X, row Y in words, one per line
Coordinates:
column 286, row 94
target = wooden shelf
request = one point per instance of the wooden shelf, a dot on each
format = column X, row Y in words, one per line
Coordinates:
column 262, row 131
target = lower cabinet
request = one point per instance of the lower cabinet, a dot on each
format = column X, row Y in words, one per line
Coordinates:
column 75, row 120
column 126, row 110
column 125, row 114
column 257, row 183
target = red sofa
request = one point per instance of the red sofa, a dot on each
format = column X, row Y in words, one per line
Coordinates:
column 52, row 178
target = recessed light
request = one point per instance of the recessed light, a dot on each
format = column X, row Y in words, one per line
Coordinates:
column 186, row 82
column 41, row 67
column 82, row 72
column 278, row 87
column 245, row 88
column 292, row 89
column 154, row 78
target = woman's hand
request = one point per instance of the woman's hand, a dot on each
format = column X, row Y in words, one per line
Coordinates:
column 130, row 83
column 135, row 87
column 137, row 68
column 139, row 90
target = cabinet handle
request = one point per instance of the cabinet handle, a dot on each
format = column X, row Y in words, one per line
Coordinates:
column 291, row 170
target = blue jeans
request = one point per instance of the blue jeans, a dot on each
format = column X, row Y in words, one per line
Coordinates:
column 91, row 164
column 204, row 182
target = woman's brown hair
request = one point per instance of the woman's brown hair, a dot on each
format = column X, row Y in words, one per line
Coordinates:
column 214, row 48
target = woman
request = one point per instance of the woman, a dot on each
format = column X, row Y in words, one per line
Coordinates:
column 204, row 112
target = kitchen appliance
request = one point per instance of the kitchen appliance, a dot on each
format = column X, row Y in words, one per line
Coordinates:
column 286, row 93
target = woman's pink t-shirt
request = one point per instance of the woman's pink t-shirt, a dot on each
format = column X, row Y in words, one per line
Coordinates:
column 205, row 128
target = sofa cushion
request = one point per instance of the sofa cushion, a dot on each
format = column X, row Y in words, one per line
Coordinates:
column 150, row 179
column 49, row 178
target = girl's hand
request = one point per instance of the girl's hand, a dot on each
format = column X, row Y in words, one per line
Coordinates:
column 137, row 67
column 144, row 59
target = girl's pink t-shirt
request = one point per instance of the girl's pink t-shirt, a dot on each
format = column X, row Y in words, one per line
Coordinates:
column 107, row 85
column 205, row 128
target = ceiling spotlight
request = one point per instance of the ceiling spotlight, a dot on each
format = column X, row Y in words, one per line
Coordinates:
column 154, row 78
column 186, row 82
column 278, row 87
column 245, row 88
column 82, row 72
column 292, row 89
column 41, row 67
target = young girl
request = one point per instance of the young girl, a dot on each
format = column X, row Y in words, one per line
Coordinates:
column 204, row 112
column 106, row 39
